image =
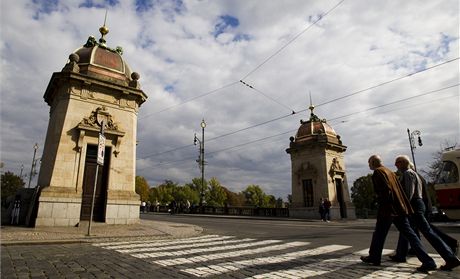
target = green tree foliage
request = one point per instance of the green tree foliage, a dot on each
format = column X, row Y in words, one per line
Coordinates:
column 269, row 201
column 362, row 193
column 10, row 183
column 201, row 189
column 142, row 188
column 216, row 196
column 255, row 196
column 165, row 192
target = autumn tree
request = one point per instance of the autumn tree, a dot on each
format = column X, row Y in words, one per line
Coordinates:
column 142, row 188
column 234, row 199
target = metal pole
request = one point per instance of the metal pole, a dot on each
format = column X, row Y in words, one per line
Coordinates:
column 101, row 132
column 33, row 163
column 202, row 163
column 92, row 201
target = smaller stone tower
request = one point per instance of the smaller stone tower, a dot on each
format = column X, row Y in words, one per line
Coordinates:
column 318, row 171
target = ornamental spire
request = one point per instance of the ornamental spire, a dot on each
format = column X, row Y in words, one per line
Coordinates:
column 104, row 30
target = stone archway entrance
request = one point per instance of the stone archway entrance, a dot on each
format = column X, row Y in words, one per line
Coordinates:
column 100, row 198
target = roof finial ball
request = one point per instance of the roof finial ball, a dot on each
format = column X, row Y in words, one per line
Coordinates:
column 104, row 30
column 134, row 82
column 312, row 107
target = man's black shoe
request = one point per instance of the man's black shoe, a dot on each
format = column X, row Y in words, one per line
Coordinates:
column 450, row 265
column 397, row 259
column 455, row 248
column 425, row 268
column 369, row 260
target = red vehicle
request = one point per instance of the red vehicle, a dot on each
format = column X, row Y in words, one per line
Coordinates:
column 447, row 185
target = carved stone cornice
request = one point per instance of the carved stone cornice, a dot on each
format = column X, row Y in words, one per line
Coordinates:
column 92, row 125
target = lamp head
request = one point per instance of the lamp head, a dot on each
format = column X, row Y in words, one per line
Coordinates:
column 203, row 124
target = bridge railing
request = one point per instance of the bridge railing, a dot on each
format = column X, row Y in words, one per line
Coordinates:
column 229, row 210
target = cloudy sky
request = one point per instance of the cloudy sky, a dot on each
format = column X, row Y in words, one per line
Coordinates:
column 373, row 68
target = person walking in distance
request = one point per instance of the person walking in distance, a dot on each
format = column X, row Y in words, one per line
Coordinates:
column 321, row 209
column 327, row 210
column 394, row 207
column 412, row 186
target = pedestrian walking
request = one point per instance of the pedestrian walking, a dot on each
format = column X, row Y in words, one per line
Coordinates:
column 321, row 209
column 327, row 210
column 413, row 189
column 393, row 208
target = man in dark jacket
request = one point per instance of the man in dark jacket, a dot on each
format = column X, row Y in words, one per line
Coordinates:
column 413, row 189
column 394, row 207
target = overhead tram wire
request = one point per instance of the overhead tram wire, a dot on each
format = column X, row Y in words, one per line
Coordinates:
column 265, row 95
column 398, row 101
column 252, row 71
column 332, row 119
column 189, row 100
column 387, row 82
column 328, row 102
column 293, row 39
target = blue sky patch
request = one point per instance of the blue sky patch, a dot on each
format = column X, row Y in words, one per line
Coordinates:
column 169, row 8
column 169, row 88
column 242, row 37
column 224, row 23
column 91, row 4
column 45, row 7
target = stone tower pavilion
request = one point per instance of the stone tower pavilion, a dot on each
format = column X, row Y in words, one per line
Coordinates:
column 95, row 86
column 318, row 171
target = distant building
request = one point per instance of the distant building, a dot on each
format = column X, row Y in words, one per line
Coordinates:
column 318, row 171
column 96, row 87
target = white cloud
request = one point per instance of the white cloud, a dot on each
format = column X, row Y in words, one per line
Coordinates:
column 174, row 48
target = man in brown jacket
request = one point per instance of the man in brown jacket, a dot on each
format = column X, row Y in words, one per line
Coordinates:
column 394, row 207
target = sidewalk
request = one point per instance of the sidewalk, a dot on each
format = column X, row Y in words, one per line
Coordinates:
column 14, row 235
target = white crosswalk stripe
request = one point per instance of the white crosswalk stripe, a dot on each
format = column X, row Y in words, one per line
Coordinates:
column 236, row 265
column 219, row 256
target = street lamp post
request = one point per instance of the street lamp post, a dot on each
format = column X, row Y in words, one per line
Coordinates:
column 200, row 160
column 33, row 164
column 412, row 143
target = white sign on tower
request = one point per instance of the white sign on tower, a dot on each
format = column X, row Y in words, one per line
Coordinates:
column 101, row 150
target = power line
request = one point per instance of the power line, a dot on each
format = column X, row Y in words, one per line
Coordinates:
column 189, row 100
column 252, row 71
column 265, row 95
column 398, row 101
column 328, row 102
column 292, row 40
column 396, row 109
column 332, row 119
column 387, row 82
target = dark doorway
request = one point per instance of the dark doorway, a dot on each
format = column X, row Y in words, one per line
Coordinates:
column 339, row 189
column 88, row 185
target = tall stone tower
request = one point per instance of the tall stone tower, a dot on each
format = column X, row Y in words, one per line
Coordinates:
column 95, row 86
column 318, row 171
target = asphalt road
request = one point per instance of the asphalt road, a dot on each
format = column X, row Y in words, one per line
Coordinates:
column 355, row 233
column 228, row 248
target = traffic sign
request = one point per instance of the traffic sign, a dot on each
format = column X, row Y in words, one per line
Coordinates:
column 101, row 150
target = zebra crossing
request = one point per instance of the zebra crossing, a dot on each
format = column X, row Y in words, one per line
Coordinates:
column 220, row 256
